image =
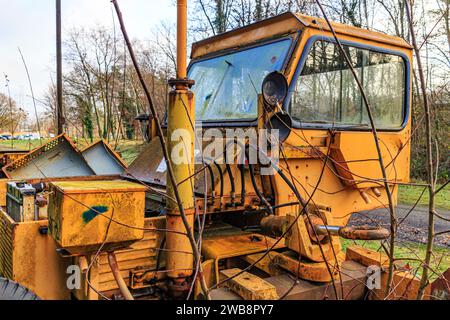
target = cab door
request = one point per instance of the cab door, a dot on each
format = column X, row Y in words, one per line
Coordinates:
column 326, row 101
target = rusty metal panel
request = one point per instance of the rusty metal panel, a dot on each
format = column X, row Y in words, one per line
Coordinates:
column 150, row 167
column 238, row 245
column 103, row 160
column 440, row 288
column 284, row 24
column 352, row 281
column 6, row 157
column 345, row 29
column 141, row 254
column 57, row 158
column 307, row 270
column 367, row 257
column 249, row 286
column 265, row 263
column 405, row 286
column 79, row 213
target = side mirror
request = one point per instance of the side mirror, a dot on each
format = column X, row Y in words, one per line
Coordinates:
column 282, row 122
column 274, row 88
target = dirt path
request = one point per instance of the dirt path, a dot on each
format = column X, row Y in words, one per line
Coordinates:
column 413, row 226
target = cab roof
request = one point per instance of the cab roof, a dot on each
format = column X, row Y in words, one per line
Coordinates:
column 285, row 23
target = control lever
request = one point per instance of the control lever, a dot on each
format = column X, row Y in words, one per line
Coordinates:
column 276, row 226
column 364, row 232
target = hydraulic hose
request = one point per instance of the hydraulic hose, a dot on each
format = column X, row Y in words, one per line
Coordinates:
column 213, row 190
column 116, row 273
column 243, row 193
column 230, row 175
column 261, row 198
column 221, row 183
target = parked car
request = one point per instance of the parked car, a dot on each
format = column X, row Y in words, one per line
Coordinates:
column 5, row 137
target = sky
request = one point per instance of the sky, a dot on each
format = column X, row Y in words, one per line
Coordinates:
column 30, row 26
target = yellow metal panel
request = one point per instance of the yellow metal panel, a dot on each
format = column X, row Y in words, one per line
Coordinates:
column 357, row 159
column 276, row 26
column 345, row 29
column 110, row 186
column 80, row 213
column 284, row 24
column 30, row 258
column 180, row 143
column 3, row 183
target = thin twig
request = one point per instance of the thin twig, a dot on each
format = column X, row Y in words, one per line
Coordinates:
column 431, row 182
column 32, row 95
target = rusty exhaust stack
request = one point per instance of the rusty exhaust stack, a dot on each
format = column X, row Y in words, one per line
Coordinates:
column 180, row 132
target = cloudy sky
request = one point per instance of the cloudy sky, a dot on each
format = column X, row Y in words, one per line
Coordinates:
column 30, row 25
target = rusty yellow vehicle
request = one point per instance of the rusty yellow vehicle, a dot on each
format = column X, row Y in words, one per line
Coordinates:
column 263, row 229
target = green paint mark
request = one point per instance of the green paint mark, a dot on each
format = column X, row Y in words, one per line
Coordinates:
column 94, row 211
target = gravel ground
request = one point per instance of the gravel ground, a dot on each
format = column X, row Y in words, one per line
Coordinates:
column 412, row 228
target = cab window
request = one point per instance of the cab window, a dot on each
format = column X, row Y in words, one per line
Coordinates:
column 326, row 92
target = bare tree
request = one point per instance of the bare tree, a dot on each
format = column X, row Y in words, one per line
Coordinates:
column 10, row 114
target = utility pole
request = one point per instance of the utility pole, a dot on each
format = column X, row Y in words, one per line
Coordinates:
column 59, row 99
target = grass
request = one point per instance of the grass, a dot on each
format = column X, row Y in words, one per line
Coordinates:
column 410, row 250
column 409, row 194
column 21, row 144
column 127, row 149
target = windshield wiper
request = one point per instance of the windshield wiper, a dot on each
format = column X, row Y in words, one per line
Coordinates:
column 319, row 121
column 355, row 126
column 337, row 124
column 213, row 99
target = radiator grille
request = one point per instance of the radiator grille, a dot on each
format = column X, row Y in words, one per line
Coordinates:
column 142, row 253
column 6, row 246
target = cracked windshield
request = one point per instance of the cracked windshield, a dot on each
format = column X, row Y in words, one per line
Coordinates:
column 227, row 87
